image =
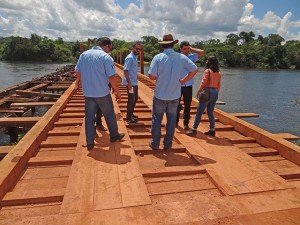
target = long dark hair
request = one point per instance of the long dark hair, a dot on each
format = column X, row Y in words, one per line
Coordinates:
column 212, row 63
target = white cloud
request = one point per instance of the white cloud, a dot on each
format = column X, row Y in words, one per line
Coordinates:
column 193, row 20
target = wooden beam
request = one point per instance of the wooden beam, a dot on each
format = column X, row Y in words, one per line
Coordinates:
column 244, row 115
column 34, row 93
column 286, row 136
column 61, row 87
column 31, row 104
column 18, row 121
column 8, row 110
column 5, row 149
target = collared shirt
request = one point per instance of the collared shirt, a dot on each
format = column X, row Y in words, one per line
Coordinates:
column 95, row 67
column 194, row 57
column 131, row 64
column 168, row 67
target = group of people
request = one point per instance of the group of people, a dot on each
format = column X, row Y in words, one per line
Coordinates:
column 173, row 73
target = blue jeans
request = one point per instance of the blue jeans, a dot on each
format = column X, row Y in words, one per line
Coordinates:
column 106, row 105
column 210, row 109
column 159, row 108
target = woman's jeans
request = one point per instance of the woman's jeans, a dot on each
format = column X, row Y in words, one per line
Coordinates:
column 210, row 109
column 91, row 106
column 159, row 108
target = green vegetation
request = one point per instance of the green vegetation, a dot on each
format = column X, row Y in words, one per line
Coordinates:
column 243, row 50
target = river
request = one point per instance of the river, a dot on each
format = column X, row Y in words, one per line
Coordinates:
column 272, row 94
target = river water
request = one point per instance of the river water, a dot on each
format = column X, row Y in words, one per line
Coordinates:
column 272, row 94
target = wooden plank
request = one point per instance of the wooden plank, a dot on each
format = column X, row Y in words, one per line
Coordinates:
column 226, row 165
column 57, row 87
column 5, row 149
column 286, row 136
column 59, row 141
column 15, row 161
column 171, row 187
column 63, row 132
column 37, row 87
column 31, row 104
column 18, row 111
column 18, row 121
column 47, row 161
column 41, row 184
column 32, row 197
column 33, row 93
column 46, row 172
column 79, row 195
column 244, row 115
column 287, row 149
column 71, row 115
column 260, row 151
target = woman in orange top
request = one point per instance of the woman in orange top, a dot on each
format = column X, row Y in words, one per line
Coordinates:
column 211, row 79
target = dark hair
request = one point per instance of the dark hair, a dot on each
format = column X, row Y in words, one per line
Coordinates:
column 184, row 43
column 165, row 46
column 136, row 43
column 212, row 63
column 103, row 41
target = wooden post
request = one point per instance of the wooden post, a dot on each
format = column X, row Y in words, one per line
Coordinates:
column 89, row 43
column 121, row 58
column 142, row 59
column 81, row 48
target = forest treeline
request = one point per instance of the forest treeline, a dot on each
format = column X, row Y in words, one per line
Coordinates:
column 242, row 50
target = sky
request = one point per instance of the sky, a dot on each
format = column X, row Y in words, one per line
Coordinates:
column 129, row 20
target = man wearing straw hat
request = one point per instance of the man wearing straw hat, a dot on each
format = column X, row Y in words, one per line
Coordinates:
column 167, row 69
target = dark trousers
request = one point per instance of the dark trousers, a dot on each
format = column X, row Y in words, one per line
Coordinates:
column 132, row 99
column 187, row 93
column 99, row 115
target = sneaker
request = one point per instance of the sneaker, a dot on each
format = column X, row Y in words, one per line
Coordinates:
column 117, row 138
column 153, row 148
column 135, row 117
column 210, row 133
column 101, row 127
column 186, row 127
column 132, row 120
column 90, row 146
column 192, row 132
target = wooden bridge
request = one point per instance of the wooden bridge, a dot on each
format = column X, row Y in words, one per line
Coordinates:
column 244, row 175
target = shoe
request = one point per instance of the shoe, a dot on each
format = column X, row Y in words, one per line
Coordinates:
column 117, row 138
column 192, row 132
column 101, row 127
column 132, row 120
column 167, row 148
column 135, row 117
column 210, row 133
column 90, row 146
column 153, row 148
column 186, row 127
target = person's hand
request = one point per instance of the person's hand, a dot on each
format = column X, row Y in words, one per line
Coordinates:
column 129, row 86
column 198, row 93
column 181, row 81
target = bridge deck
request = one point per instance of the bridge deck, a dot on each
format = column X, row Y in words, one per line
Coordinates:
column 233, row 178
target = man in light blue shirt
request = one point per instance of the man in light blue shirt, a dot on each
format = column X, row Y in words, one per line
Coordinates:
column 130, row 80
column 95, row 70
column 187, row 88
column 167, row 69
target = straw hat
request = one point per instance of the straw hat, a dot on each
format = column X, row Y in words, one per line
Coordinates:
column 168, row 39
